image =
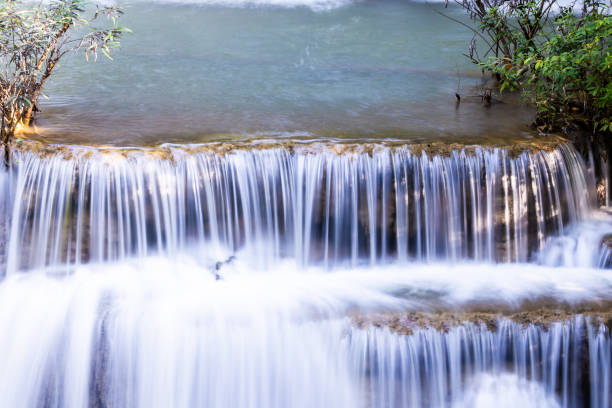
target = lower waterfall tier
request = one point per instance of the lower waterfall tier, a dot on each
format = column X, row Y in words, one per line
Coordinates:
column 318, row 203
column 565, row 364
column 155, row 333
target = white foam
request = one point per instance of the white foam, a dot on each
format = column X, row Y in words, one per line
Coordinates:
column 304, row 293
column 173, row 335
column 505, row 391
column 315, row 5
column 462, row 284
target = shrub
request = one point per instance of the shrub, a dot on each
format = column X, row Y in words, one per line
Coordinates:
column 569, row 75
column 33, row 39
column 560, row 62
column 506, row 26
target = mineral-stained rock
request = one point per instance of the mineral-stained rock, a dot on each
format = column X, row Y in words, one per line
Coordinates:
column 538, row 313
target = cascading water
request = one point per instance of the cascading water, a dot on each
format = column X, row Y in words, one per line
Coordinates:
column 306, row 202
column 198, row 276
column 430, row 368
column 135, row 335
column 334, row 240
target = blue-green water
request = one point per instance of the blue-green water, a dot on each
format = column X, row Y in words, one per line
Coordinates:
column 327, row 68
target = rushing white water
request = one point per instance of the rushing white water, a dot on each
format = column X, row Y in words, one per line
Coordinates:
column 582, row 244
column 239, row 276
column 202, row 276
column 315, row 5
column 154, row 333
column 430, row 368
column 505, row 391
column 310, row 203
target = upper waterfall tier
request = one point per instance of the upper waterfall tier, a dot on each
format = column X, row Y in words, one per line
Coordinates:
column 317, row 202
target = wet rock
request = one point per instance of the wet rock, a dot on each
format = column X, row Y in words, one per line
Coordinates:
column 540, row 313
column 220, row 265
column 432, row 147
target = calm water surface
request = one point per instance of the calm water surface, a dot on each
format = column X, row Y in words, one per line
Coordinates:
column 319, row 68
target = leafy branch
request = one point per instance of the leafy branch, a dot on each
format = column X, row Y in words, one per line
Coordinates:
column 33, row 40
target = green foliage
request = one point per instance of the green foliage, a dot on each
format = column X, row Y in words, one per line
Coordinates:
column 33, row 39
column 566, row 70
column 505, row 26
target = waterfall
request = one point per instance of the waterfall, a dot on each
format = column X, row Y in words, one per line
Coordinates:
column 431, row 368
column 141, row 336
column 225, row 276
column 605, row 257
column 585, row 244
column 310, row 202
